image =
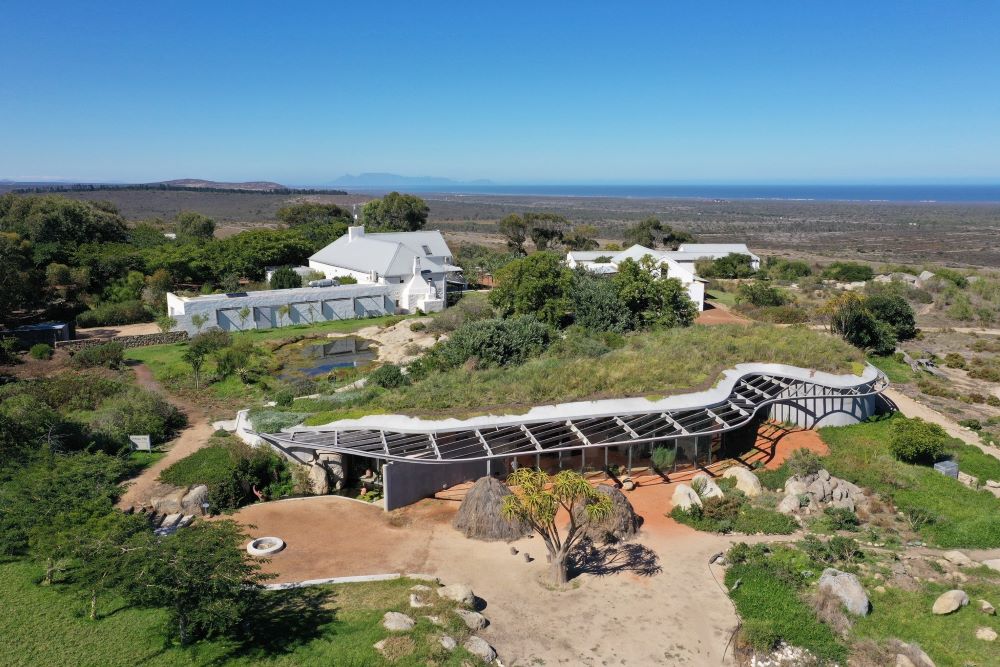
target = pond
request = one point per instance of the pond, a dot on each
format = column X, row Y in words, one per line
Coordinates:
column 313, row 359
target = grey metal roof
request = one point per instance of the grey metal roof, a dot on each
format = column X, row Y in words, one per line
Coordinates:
column 749, row 394
column 389, row 254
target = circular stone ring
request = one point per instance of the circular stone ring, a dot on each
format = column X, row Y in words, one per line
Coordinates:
column 265, row 546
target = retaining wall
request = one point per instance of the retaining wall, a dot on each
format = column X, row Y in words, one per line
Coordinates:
column 140, row 340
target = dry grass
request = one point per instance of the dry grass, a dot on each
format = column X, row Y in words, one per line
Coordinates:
column 620, row 525
column 829, row 609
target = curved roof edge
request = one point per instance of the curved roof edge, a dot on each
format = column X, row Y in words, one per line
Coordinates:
column 719, row 393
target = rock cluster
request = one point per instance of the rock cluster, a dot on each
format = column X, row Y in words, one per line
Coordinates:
column 812, row 492
column 421, row 595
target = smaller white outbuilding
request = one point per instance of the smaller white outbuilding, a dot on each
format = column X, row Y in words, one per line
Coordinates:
column 605, row 262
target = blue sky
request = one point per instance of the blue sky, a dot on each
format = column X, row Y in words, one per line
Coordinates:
column 658, row 92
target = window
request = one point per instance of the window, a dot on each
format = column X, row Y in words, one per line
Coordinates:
column 427, row 249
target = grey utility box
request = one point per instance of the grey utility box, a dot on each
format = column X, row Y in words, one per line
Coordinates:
column 949, row 468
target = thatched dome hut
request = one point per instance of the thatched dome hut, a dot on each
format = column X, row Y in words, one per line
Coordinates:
column 479, row 516
column 620, row 525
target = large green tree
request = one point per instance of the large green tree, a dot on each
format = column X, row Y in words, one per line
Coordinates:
column 515, row 231
column 651, row 232
column 652, row 300
column 535, row 285
column 56, row 226
column 202, row 576
column 320, row 224
column 396, row 212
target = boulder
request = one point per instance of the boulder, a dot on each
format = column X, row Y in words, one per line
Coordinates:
column 473, row 619
column 820, row 490
column 458, row 593
column 685, row 497
column 987, row 608
column 709, row 489
column 957, row 558
column 844, row 503
column 795, row 486
column 848, row 588
column 993, row 484
column 193, row 500
column 986, row 634
column 903, row 661
column 480, row 648
column 416, row 601
column 447, row 643
column 169, row 503
column 789, row 504
column 628, row 484
column 993, row 564
column 949, row 602
column 393, row 621
column 335, row 468
column 746, row 481
column 319, row 480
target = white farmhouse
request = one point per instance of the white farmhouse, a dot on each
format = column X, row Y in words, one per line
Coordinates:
column 689, row 253
column 416, row 263
column 605, row 262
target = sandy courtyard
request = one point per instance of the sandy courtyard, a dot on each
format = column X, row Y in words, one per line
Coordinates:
column 621, row 616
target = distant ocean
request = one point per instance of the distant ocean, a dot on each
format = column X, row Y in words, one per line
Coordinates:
column 848, row 193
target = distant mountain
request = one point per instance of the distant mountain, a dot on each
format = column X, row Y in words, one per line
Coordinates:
column 381, row 180
column 254, row 186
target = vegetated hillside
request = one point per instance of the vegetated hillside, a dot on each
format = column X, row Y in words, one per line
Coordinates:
column 653, row 364
column 252, row 186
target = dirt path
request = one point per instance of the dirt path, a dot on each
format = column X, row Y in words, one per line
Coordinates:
column 119, row 330
column 144, row 486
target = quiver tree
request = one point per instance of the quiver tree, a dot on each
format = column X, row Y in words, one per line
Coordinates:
column 536, row 500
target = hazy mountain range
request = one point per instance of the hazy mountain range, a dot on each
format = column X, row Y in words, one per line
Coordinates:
column 383, row 180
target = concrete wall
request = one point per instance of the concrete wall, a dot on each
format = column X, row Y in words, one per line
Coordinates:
column 406, row 483
column 814, row 413
column 306, row 305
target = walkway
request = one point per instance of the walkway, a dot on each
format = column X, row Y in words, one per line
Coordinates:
column 195, row 436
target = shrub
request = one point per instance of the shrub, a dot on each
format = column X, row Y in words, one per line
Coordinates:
column 388, row 376
column 848, row 272
column 840, row 518
column 138, row 412
column 759, row 293
column 895, row 311
column 471, row 308
column 733, row 265
column 285, row 277
column 108, row 314
column 954, row 360
column 41, row 351
column 210, row 340
column 787, row 269
column 496, row 342
column 346, row 280
column 803, row 462
column 232, row 470
column 283, row 398
column 108, row 355
column 417, row 326
column 917, row 441
column 8, row 351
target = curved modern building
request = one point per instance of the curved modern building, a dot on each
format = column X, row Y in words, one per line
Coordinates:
column 418, row 457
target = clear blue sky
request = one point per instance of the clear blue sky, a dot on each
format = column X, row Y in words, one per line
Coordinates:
column 659, row 92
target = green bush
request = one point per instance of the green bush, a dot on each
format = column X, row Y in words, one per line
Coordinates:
column 108, row 355
column 917, row 441
column 803, row 462
column 417, row 326
column 284, row 397
column 137, row 412
column 388, row 376
column 896, row 312
column 232, row 470
column 759, row 293
column 112, row 313
column 848, row 272
column 954, row 360
column 285, row 278
column 41, row 351
column 733, row 265
column 346, row 280
column 495, row 342
column 67, row 391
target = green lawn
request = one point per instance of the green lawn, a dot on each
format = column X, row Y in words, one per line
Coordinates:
column 654, row 363
column 334, row 625
column 949, row 640
column 963, row 517
column 898, row 372
column 725, row 298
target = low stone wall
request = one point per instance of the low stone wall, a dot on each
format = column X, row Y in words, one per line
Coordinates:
column 141, row 340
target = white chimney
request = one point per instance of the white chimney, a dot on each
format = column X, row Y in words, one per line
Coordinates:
column 416, row 266
column 355, row 232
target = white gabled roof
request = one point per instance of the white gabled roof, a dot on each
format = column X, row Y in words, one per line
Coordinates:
column 587, row 255
column 389, row 254
column 717, row 249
